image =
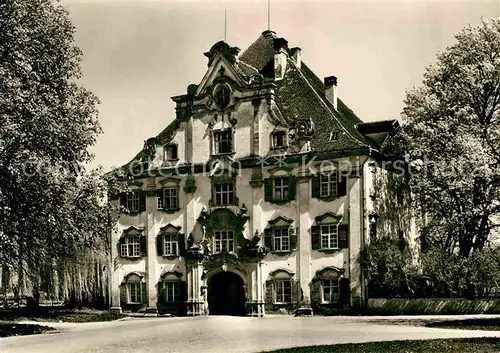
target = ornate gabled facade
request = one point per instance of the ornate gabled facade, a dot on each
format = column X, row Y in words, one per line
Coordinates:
column 255, row 199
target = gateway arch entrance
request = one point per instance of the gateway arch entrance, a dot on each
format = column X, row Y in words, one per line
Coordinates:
column 226, row 294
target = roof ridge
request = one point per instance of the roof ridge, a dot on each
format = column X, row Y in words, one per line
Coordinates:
column 328, row 109
column 248, row 65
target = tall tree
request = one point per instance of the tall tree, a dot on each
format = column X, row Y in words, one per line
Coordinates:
column 47, row 123
column 452, row 130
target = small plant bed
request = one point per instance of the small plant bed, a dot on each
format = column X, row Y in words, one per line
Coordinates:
column 14, row 329
column 59, row 314
column 458, row 345
column 488, row 324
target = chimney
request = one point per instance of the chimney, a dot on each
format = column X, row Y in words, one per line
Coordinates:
column 280, row 58
column 296, row 53
column 331, row 90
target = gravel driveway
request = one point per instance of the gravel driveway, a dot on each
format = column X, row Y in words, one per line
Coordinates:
column 219, row 334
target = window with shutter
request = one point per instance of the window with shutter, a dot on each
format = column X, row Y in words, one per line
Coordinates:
column 131, row 201
column 280, row 189
column 281, row 239
column 170, row 245
column 329, row 236
column 130, row 246
column 329, row 185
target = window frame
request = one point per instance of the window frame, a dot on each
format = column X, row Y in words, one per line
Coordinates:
column 130, row 246
column 274, row 138
column 218, row 93
column 281, row 187
column 284, row 234
column 175, row 152
column 171, row 240
column 174, row 293
column 218, row 140
column 220, row 243
column 132, row 198
column 174, row 199
column 333, row 296
column 332, row 186
column 129, row 292
column 227, row 197
column 279, row 285
column 330, row 236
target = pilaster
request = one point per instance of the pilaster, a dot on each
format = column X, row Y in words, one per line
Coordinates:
column 151, row 261
column 355, row 235
column 304, row 241
column 114, row 274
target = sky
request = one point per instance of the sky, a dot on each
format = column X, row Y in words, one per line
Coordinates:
column 138, row 54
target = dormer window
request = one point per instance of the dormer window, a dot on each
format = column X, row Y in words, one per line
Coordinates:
column 278, row 139
column 223, row 141
column 221, row 97
column 170, row 153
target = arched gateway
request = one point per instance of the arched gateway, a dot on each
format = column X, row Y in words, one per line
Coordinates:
column 226, row 294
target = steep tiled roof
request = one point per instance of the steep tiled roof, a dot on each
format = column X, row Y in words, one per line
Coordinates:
column 260, row 52
column 301, row 95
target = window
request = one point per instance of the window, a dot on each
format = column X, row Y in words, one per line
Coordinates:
column 171, row 291
column 283, row 291
column 223, row 241
column 281, row 189
column 222, row 96
column 170, row 198
column 281, row 239
column 329, row 236
column 328, row 184
column 224, row 194
column 278, row 139
column 170, row 245
column 334, row 136
column 170, row 153
column 131, row 247
column 330, row 290
column 135, row 293
column 223, row 141
column 133, row 201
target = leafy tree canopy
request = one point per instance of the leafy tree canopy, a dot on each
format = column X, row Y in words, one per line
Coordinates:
column 452, row 134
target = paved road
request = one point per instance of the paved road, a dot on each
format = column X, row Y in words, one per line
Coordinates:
column 219, row 334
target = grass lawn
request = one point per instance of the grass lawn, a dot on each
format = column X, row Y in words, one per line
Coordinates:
column 14, row 329
column 58, row 314
column 458, row 345
column 488, row 324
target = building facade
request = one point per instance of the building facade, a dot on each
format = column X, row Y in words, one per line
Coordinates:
column 257, row 198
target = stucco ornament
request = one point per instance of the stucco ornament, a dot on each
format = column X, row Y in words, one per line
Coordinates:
column 302, row 130
column 149, row 149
